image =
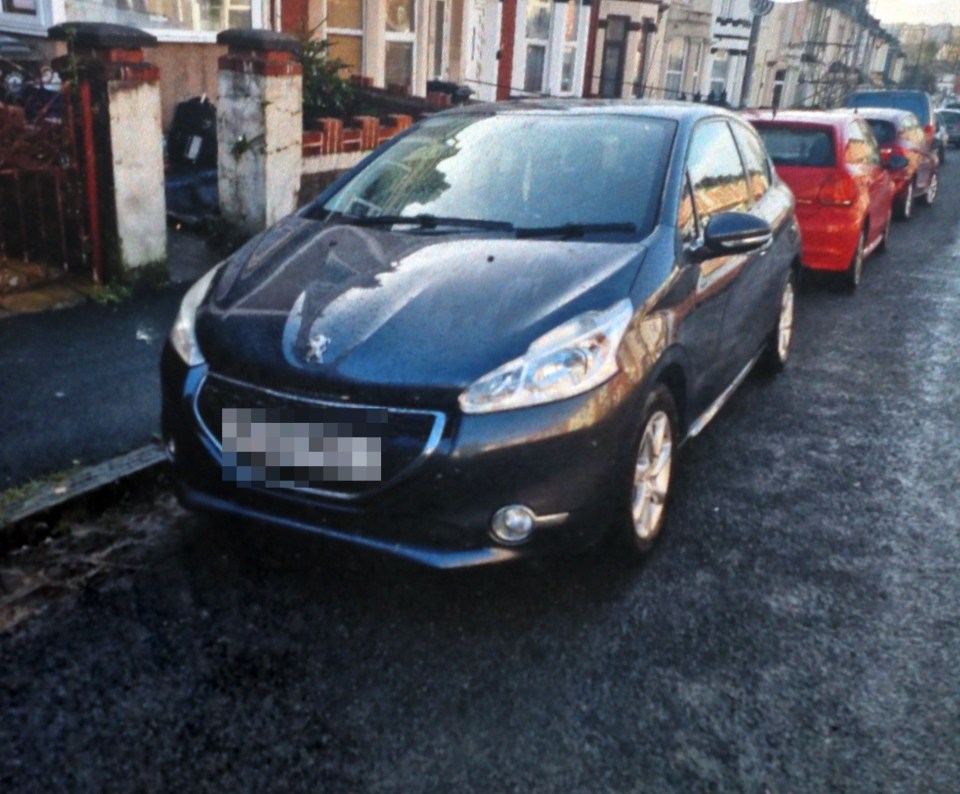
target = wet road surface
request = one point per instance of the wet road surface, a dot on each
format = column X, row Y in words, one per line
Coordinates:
column 796, row 630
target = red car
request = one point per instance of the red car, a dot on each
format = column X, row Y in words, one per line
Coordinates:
column 908, row 154
column 831, row 162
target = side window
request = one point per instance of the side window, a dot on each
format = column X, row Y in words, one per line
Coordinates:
column 716, row 173
column 912, row 132
column 755, row 159
column 872, row 148
column 856, row 152
column 916, row 133
column 686, row 218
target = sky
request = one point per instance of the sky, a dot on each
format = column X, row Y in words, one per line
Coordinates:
column 929, row 11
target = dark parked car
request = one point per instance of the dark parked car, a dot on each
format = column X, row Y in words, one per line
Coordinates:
column 950, row 119
column 490, row 338
column 909, row 159
column 916, row 102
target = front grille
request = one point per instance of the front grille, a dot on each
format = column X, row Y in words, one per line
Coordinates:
column 406, row 436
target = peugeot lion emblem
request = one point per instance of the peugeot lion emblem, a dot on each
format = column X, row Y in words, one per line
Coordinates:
column 317, row 346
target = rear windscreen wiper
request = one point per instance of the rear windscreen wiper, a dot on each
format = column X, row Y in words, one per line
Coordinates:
column 425, row 221
column 575, row 229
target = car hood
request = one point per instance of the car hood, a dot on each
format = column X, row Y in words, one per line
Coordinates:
column 368, row 313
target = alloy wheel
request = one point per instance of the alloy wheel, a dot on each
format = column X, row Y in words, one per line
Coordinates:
column 855, row 276
column 932, row 189
column 651, row 477
column 785, row 324
column 908, row 203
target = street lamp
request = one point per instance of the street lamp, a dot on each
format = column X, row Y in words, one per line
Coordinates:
column 759, row 9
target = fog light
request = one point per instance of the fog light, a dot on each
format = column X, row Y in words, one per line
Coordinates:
column 513, row 524
column 171, row 449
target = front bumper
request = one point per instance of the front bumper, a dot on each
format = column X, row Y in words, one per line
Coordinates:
column 560, row 459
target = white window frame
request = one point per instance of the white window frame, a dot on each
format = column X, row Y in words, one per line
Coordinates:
column 554, row 50
column 54, row 12
column 407, row 37
column 685, row 46
column 726, row 60
column 439, row 71
column 359, row 33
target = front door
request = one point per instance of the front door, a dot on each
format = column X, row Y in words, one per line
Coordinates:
column 614, row 57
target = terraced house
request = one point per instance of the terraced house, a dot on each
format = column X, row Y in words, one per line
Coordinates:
column 806, row 53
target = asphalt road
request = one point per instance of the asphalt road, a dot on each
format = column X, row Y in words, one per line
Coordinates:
column 796, row 630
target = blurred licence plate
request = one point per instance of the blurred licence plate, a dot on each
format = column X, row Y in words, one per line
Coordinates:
column 280, row 448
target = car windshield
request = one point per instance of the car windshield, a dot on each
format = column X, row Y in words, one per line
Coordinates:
column 949, row 116
column 884, row 131
column 799, row 146
column 530, row 171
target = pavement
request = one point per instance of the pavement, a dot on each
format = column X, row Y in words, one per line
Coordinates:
column 80, row 379
column 795, row 631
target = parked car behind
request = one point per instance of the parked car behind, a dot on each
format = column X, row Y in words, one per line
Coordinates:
column 911, row 161
column 917, row 102
column 942, row 138
column 844, row 196
column 951, row 122
column 489, row 339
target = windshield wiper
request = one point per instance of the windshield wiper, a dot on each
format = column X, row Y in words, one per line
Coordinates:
column 575, row 229
column 425, row 221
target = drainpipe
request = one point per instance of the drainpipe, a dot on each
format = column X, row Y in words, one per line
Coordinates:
column 751, row 58
column 591, row 49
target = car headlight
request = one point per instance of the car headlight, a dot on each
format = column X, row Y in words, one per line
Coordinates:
column 182, row 335
column 571, row 359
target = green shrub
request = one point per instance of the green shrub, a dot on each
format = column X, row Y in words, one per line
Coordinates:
column 326, row 91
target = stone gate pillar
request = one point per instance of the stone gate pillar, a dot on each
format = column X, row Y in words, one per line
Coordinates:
column 259, row 127
column 127, row 139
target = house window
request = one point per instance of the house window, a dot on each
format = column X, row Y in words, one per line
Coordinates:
column 192, row 15
column 439, row 11
column 570, row 33
column 20, row 7
column 538, row 40
column 400, row 42
column 697, row 61
column 779, row 78
column 345, row 32
column 676, row 59
column 718, row 74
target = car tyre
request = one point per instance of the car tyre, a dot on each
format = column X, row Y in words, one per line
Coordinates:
column 854, row 274
column 777, row 352
column 649, row 476
column 905, row 205
column 885, row 240
column 932, row 189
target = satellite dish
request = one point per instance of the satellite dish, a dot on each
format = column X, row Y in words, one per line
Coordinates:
column 760, row 8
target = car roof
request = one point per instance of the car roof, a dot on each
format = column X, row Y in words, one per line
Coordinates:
column 892, row 92
column 683, row 112
column 820, row 118
column 885, row 114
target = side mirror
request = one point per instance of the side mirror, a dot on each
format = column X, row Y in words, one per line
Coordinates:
column 895, row 162
column 730, row 233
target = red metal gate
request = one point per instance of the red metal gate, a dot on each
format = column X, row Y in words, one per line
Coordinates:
column 47, row 179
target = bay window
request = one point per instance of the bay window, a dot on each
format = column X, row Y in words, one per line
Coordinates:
column 676, row 60
column 168, row 20
column 400, row 42
column 550, row 47
column 345, row 32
